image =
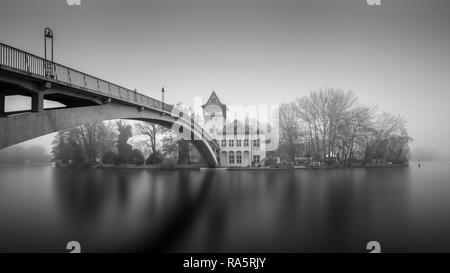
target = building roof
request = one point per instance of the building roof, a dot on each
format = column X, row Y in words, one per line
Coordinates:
column 238, row 126
column 213, row 100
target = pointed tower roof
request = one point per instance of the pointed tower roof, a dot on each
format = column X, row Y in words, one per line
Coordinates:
column 213, row 100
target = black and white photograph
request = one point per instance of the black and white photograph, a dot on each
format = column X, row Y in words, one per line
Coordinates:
column 250, row 127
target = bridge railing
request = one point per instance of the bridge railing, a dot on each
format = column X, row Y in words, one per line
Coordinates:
column 35, row 66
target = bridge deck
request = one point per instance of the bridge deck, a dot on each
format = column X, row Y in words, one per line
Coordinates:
column 27, row 64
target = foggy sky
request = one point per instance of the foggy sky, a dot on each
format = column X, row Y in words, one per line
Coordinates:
column 395, row 56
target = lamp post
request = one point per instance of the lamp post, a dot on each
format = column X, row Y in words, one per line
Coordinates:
column 48, row 36
column 162, row 101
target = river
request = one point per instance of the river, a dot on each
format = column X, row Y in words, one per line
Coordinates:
column 133, row 210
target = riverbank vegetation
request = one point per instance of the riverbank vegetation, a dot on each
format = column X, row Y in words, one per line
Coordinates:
column 121, row 143
column 331, row 126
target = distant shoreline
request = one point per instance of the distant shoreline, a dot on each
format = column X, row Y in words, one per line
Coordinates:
column 318, row 168
column 26, row 163
column 130, row 166
column 203, row 167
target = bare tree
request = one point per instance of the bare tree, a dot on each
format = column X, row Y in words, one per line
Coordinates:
column 151, row 130
column 357, row 124
column 385, row 126
column 324, row 113
column 289, row 127
column 335, row 127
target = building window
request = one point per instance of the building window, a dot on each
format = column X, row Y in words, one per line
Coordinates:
column 231, row 142
column 239, row 159
column 245, row 142
column 224, row 143
column 231, row 158
column 238, row 143
column 256, row 142
column 256, row 158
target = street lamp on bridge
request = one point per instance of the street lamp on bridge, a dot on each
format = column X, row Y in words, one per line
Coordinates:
column 48, row 35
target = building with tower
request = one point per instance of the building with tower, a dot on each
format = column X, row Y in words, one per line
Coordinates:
column 241, row 144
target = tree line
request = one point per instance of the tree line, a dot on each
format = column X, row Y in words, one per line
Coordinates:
column 109, row 143
column 335, row 128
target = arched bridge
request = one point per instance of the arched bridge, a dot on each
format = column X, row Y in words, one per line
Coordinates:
column 87, row 99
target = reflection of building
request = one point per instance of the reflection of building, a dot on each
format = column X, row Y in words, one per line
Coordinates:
column 241, row 144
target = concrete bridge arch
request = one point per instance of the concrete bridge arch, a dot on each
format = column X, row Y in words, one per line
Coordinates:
column 23, row 127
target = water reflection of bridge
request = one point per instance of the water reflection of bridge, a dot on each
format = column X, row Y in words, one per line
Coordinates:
column 154, row 208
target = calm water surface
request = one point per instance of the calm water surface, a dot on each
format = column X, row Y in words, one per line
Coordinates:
column 121, row 210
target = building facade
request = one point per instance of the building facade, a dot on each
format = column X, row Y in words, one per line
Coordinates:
column 241, row 144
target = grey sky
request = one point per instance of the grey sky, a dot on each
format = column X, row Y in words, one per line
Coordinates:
column 395, row 56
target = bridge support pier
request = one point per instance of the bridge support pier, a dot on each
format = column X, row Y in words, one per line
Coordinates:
column 37, row 102
column 2, row 105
